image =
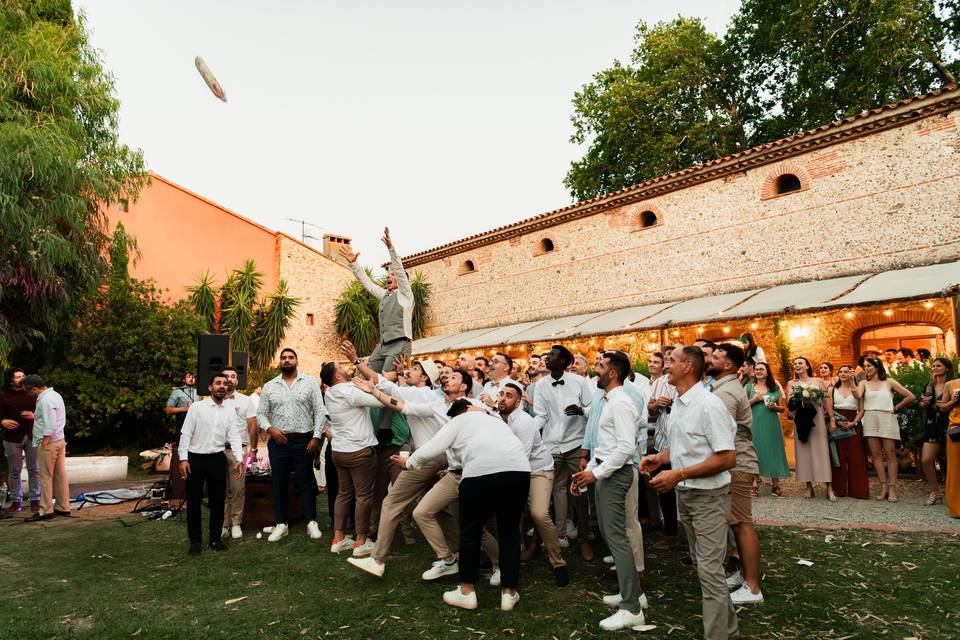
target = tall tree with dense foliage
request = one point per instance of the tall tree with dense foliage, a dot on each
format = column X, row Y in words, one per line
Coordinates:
column 116, row 362
column 256, row 324
column 688, row 96
column 61, row 164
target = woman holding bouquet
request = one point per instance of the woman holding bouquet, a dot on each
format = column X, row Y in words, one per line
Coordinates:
column 766, row 404
column 811, row 408
column 850, row 476
column 880, row 426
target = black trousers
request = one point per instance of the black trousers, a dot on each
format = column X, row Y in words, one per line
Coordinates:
column 285, row 458
column 668, row 505
column 502, row 495
column 209, row 468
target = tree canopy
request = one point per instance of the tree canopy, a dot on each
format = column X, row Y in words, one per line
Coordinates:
column 62, row 164
column 687, row 96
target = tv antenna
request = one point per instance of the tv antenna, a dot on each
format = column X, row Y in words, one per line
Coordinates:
column 304, row 236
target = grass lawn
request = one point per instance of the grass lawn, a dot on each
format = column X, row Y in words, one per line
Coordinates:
column 99, row 579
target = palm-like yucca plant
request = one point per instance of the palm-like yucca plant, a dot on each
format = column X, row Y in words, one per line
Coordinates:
column 356, row 312
column 255, row 326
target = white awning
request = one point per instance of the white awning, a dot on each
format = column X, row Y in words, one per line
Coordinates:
column 903, row 284
column 794, row 297
column 555, row 329
column 448, row 342
column 500, row 335
column 708, row 309
column 619, row 319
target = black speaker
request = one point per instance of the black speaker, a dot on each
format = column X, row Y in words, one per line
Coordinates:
column 239, row 361
column 213, row 354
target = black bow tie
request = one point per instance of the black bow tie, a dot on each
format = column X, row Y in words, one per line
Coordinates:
column 556, row 382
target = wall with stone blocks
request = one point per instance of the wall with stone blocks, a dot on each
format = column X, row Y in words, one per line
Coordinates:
column 884, row 201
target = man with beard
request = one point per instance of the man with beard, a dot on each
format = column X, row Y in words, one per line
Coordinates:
column 558, row 407
column 291, row 412
column 209, row 427
column 245, row 414
column 611, row 469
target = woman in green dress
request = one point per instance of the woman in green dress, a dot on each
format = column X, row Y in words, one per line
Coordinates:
column 767, row 403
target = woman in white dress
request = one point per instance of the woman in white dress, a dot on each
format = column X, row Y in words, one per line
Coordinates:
column 811, row 442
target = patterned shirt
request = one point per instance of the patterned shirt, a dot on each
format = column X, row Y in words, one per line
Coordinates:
column 296, row 408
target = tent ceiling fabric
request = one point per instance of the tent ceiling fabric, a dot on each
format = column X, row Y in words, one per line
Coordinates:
column 802, row 295
column 902, row 284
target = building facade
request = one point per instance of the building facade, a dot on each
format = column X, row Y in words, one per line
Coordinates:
column 876, row 192
column 181, row 234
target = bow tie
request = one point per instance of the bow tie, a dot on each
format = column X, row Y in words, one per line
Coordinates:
column 556, row 382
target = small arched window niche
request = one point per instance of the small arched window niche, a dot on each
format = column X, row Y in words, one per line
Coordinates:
column 544, row 246
column 646, row 218
column 784, row 181
column 467, row 266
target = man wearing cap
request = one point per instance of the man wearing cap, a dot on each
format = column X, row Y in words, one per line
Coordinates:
column 558, row 408
column 409, row 483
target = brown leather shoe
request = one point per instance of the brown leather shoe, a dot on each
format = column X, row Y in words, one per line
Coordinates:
column 666, row 542
column 35, row 506
column 586, row 551
column 642, row 579
column 531, row 552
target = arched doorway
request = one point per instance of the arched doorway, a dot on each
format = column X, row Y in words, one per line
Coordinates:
column 913, row 335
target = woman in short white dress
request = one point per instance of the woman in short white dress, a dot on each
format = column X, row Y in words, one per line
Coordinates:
column 880, row 426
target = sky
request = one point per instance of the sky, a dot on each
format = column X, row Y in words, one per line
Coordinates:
column 438, row 119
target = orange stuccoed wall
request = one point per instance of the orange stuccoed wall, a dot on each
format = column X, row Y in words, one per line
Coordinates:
column 180, row 234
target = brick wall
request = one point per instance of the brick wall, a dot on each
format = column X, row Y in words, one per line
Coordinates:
column 883, row 201
column 317, row 280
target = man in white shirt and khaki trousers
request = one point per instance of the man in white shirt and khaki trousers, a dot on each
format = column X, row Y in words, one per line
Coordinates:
column 207, row 429
column 701, row 436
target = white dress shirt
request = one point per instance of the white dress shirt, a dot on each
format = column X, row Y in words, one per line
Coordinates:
column 351, row 428
column 616, row 434
column 484, row 444
column 422, row 427
column 699, row 426
column 493, row 388
column 561, row 433
column 435, row 409
column 208, row 428
column 243, row 408
column 524, row 427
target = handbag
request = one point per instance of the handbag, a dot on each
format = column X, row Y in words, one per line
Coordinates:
column 842, row 433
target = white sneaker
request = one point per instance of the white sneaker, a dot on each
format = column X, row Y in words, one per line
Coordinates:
column 495, row 578
column 344, row 545
column 441, row 568
column 507, row 601
column 313, row 530
column 743, row 595
column 363, row 550
column 369, row 565
column 607, row 559
column 564, row 543
column 622, row 619
column 735, row 581
column 456, row 598
column 571, row 530
column 223, row 533
column 616, row 599
column 236, row 532
column 279, row 531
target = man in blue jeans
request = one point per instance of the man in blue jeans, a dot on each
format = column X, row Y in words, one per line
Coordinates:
column 292, row 413
column 17, row 441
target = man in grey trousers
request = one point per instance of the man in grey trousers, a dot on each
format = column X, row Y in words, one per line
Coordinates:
column 396, row 308
column 701, row 435
column 612, row 470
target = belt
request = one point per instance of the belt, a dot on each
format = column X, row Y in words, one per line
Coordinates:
column 297, row 434
column 398, row 340
column 456, row 472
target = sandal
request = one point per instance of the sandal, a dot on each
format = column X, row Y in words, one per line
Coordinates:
column 777, row 491
column 935, row 497
column 755, row 491
column 831, row 496
column 809, row 494
column 883, row 492
column 892, row 495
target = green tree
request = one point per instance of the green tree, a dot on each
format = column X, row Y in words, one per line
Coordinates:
column 62, row 163
column 118, row 360
column 676, row 104
column 810, row 62
column 256, row 325
column 356, row 312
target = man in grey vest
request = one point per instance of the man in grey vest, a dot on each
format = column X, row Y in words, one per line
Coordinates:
column 396, row 308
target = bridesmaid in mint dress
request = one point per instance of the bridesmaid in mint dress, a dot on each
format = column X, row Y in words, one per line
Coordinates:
column 767, row 403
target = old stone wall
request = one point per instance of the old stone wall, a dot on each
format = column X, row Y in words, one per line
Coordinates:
column 317, row 280
column 887, row 200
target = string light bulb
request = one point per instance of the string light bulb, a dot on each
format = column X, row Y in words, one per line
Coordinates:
column 754, row 325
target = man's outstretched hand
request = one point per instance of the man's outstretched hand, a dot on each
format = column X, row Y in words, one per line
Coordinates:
column 386, row 238
column 348, row 254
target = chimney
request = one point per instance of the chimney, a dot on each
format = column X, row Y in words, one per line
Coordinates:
column 332, row 244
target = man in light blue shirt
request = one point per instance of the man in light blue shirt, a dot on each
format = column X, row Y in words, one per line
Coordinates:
column 49, row 420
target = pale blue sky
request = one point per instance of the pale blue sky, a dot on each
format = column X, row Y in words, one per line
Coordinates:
column 441, row 119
